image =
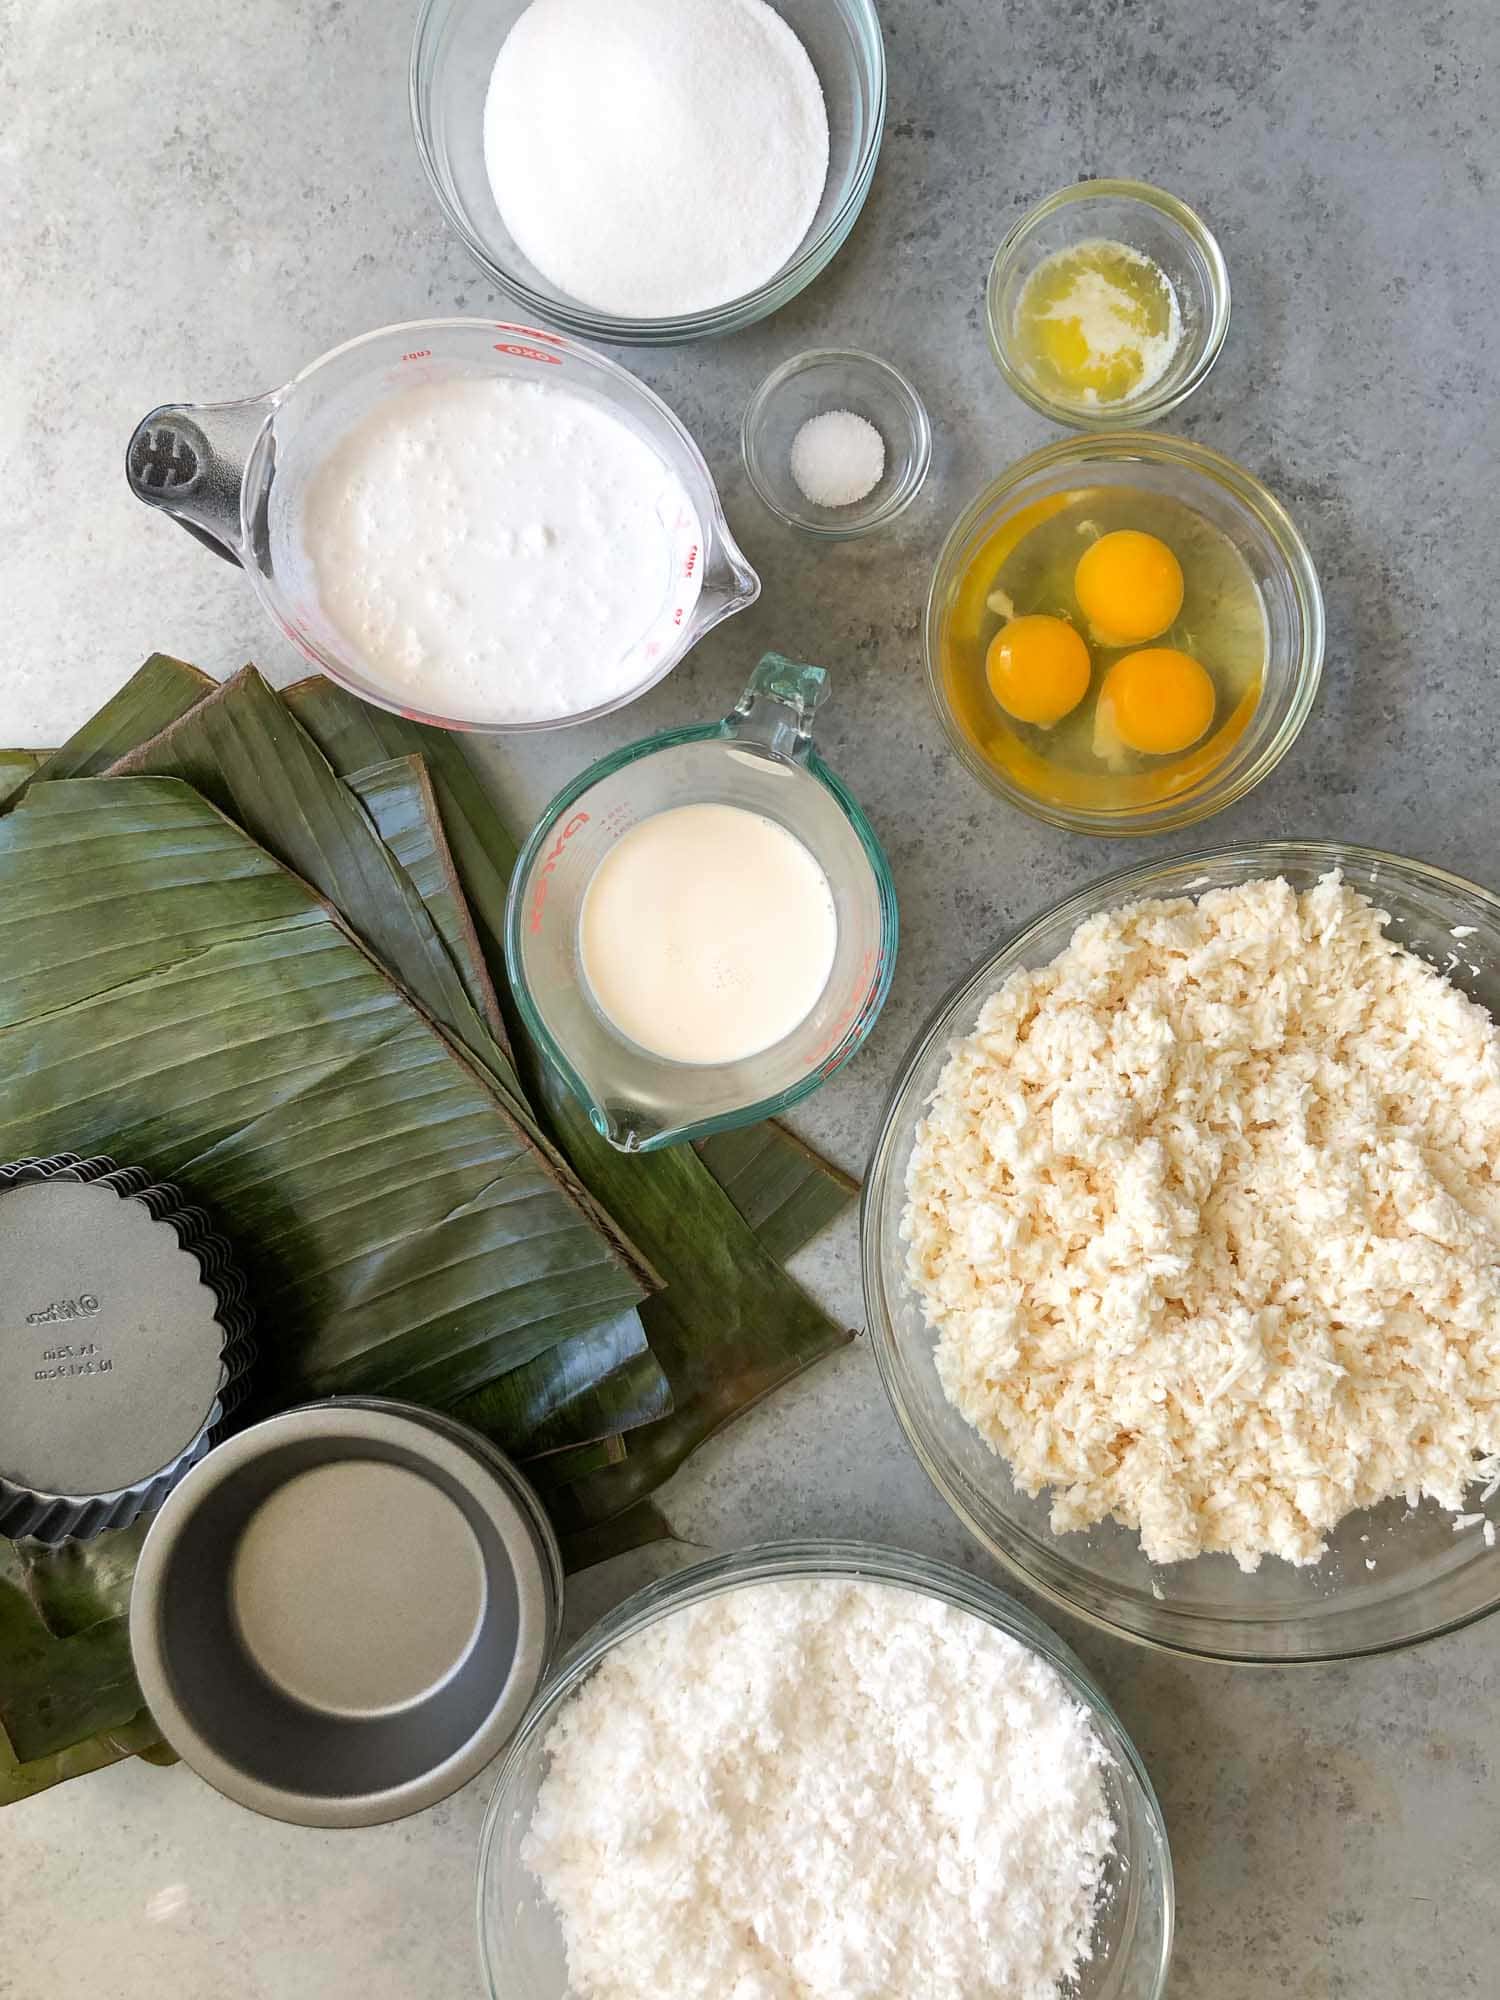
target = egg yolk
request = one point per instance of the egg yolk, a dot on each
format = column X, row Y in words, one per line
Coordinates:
column 1129, row 587
column 1038, row 669
column 1155, row 701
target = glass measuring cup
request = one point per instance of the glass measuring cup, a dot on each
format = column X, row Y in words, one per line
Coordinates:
column 235, row 475
column 761, row 758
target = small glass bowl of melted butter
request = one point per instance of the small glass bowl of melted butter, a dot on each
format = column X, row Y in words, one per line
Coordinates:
column 1107, row 304
column 1124, row 634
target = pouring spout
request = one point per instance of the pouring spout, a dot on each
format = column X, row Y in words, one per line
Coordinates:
column 628, row 1128
column 729, row 583
column 189, row 460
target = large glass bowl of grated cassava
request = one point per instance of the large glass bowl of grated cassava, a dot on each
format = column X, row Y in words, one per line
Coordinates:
column 1129, row 1940
column 1391, row 1574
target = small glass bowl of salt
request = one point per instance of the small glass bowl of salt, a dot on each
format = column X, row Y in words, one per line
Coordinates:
column 836, row 442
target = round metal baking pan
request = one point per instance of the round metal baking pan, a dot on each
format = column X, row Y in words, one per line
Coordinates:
column 124, row 1344
column 341, row 1615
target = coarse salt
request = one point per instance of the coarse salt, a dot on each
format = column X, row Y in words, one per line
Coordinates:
column 837, row 458
column 798, row 1789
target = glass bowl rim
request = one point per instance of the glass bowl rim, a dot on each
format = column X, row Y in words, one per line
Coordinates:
column 899, row 498
column 663, row 330
column 941, row 1021
column 812, row 1558
column 1134, row 412
column 1249, row 493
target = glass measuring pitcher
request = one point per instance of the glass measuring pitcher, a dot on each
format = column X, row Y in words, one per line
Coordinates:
column 236, row 476
column 760, row 758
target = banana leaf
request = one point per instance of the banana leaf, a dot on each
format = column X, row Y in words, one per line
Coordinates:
column 69, row 1702
column 16, row 768
column 136, row 1738
column 157, row 693
column 65, row 1645
column 243, row 752
column 241, row 749
column 782, row 1188
column 350, row 735
column 729, row 1327
column 82, row 1584
column 170, row 994
column 597, row 1382
column 592, row 1386
column 635, row 1529
column 399, row 798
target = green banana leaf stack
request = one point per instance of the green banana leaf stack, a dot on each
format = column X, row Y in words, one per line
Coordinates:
column 252, row 941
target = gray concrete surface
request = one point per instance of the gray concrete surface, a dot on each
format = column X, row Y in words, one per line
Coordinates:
column 199, row 199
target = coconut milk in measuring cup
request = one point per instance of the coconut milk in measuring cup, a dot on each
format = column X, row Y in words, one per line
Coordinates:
column 733, row 846
column 474, row 524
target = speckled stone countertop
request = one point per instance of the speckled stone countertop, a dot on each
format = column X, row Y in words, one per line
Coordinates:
column 198, row 200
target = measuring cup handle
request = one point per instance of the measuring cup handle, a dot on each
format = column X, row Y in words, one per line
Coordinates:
column 189, row 460
column 777, row 708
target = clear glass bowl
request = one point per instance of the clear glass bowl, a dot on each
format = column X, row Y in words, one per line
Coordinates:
column 1268, row 542
column 520, row 1944
column 453, row 55
column 836, row 379
column 1143, row 218
column 1426, row 1579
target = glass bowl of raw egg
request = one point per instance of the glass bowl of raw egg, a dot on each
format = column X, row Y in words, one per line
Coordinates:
column 1107, row 304
column 1124, row 634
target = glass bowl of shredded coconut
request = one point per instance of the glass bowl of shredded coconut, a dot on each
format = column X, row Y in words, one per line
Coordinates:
column 836, row 443
column 815, row 1769
column 1182, row 1252
column 1109, row 245
column 649, row 171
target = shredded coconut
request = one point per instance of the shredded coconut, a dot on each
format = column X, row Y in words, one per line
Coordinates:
column 1206, row 1216
column 837, row 458
column 822, row 1788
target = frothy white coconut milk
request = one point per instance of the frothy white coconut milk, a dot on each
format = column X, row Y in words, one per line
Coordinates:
column 499, row 551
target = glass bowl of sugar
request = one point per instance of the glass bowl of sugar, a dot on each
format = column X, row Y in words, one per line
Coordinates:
column 652, row 174
column 836, row 443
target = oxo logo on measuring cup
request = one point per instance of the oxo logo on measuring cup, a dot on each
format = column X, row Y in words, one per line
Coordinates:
column 527, row 349
column 548, row 868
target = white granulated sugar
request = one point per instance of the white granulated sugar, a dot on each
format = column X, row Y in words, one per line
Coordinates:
column 822, row 1790
column 837, row 458
column 1206, row 1216
column 656, row 157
